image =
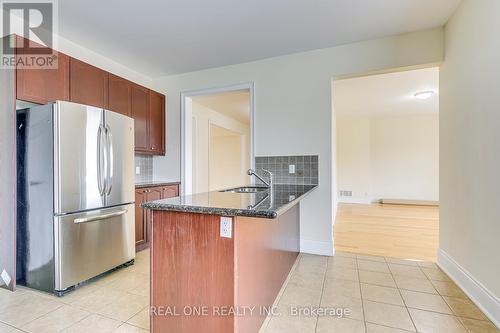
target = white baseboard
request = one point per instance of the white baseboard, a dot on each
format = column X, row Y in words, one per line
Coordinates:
column 477, row 292
column 316, row 247
column 409, row 202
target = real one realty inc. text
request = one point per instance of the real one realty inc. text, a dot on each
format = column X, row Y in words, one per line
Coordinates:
column 242, row 311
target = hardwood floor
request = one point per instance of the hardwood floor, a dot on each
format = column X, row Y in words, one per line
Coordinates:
column 399, row 231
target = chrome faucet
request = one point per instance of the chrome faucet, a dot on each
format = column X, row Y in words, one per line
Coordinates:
column 269, row 184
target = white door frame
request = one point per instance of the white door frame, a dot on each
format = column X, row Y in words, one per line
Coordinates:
column 186, row 128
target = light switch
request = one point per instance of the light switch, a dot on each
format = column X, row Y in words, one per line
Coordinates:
column 291, row 168
column 137, row 170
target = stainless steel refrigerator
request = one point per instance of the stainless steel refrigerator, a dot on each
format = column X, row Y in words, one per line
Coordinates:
column 75, row 194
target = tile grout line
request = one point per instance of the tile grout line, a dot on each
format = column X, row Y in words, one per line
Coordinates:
column 268, row 319
column 430, row 280
column 322, row 291
column 127, row 321
column 29, row 322
column 393, row 328
column 89, row 314
column 404, row 302
column 62, row 303
column 427, row 278
column 361, row 294
column 15, row 327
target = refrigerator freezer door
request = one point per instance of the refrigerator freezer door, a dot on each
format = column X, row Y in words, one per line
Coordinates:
column 77, row 158
column 88, row 244
column 120, row 187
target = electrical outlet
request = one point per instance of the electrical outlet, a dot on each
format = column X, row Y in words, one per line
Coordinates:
column 291, row 168
column 6, row 277
column 346, row 193
column 226, row 227
column 137, row 170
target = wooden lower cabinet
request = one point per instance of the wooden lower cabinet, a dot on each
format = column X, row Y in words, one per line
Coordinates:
column 143, row 216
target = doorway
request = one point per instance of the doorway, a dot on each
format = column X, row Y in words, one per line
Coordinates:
column 387, row 164
column 217, row 139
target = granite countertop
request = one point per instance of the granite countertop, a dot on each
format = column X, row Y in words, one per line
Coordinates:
column 265, row 204
column 154, row 183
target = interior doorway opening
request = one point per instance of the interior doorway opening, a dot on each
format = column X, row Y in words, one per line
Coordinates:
column 217, row 138
column 387, row 164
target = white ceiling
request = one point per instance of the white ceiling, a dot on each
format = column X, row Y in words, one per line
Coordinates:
column 387, row 94
column 233, row 104
column 174, row 36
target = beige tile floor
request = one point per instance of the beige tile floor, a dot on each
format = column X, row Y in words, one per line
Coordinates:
column 117, row 302
column 383, row 295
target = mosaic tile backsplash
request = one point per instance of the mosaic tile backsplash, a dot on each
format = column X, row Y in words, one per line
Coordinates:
column 145, row 163
column 306, row 169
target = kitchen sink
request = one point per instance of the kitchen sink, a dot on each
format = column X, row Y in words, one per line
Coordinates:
column 246, row 189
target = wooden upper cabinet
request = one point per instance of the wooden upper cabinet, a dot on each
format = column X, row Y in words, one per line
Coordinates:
column 42, row 85
column 119, row 95
column 76, row 81
column 88, row 84
column 140, row 113
column 157, row 122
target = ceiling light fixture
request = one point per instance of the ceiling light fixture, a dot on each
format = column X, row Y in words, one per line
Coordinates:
column 424, row 94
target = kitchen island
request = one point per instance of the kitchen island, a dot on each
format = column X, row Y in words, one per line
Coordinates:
column 219, row 259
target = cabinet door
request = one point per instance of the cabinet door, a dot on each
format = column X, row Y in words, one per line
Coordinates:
column 140, row 220
column 155, row 193
column 42, row 85
column 119, row 95
column 170, row 191
column 140, row 113
column 157, row 122
column 88, row 84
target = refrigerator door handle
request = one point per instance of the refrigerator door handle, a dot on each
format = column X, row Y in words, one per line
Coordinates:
column 110, row 159
column 99, row 217
column 101, row 161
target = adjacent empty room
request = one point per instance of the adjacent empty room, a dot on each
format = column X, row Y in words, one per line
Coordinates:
column 388, row 164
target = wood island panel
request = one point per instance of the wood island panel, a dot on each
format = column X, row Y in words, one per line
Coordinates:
column 192, row 265
column 265, row 251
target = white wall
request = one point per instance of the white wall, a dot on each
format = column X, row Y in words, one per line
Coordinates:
column 227, row 160
column 74, row 50
column 470, row 151
column 79, row 52
column 293, row 111
column 394, row 157
column 204, row 117
column 405, row 157
column 354, row 159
